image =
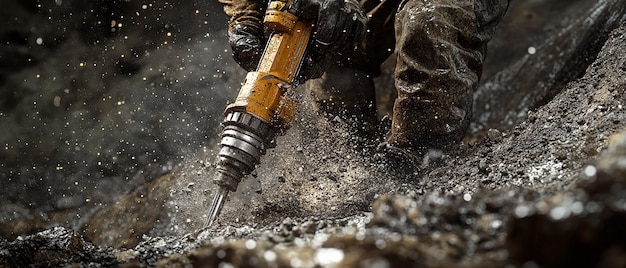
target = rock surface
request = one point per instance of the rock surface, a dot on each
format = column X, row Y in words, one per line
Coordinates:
column 504, row 100
column 548, row 192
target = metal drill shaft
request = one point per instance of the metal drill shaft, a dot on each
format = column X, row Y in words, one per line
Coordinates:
column 216, row 205
column 244, row 140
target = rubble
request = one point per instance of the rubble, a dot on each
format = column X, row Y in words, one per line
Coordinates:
column 548, row 192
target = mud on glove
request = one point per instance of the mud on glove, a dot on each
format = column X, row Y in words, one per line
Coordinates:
column 247, row 43
column 340, row 24
column 340, row 27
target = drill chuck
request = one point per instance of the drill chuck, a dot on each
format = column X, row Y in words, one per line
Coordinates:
column 245, row 138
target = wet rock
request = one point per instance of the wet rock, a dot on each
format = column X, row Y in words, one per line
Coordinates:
column 584, row 227
column 123, row 224
column 572, row 230
column 340, row 243
column 494, row 135
column 457, row 227
column 54, row 247
column 504, row 99
column 611, row 165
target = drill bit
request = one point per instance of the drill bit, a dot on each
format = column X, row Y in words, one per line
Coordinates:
column 244, row 140
column 216, row 205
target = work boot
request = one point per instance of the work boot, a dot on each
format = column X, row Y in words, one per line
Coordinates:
column 440, row 47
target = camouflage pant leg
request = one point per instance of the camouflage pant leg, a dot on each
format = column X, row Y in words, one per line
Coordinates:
column 440, row 47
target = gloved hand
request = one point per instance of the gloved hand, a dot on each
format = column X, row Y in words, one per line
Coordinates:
column 340, row 24
column 247, row 43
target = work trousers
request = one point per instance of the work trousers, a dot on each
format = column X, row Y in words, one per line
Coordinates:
column 439, row 46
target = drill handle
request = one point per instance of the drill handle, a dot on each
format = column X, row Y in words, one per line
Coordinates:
column 264, row 92
column 289, row 38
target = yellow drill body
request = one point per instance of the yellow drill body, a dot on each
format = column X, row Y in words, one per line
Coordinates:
column 264, row 107
column 263, row 92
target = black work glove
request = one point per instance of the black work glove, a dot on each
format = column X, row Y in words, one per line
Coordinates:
column 340, row 24
column 247, row 43
column 340, row 27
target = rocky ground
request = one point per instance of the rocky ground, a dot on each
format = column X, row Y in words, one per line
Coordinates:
column 108, row 156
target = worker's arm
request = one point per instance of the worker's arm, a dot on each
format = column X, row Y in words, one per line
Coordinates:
column 245, row 30
column 339, row 26
column 244, row 12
